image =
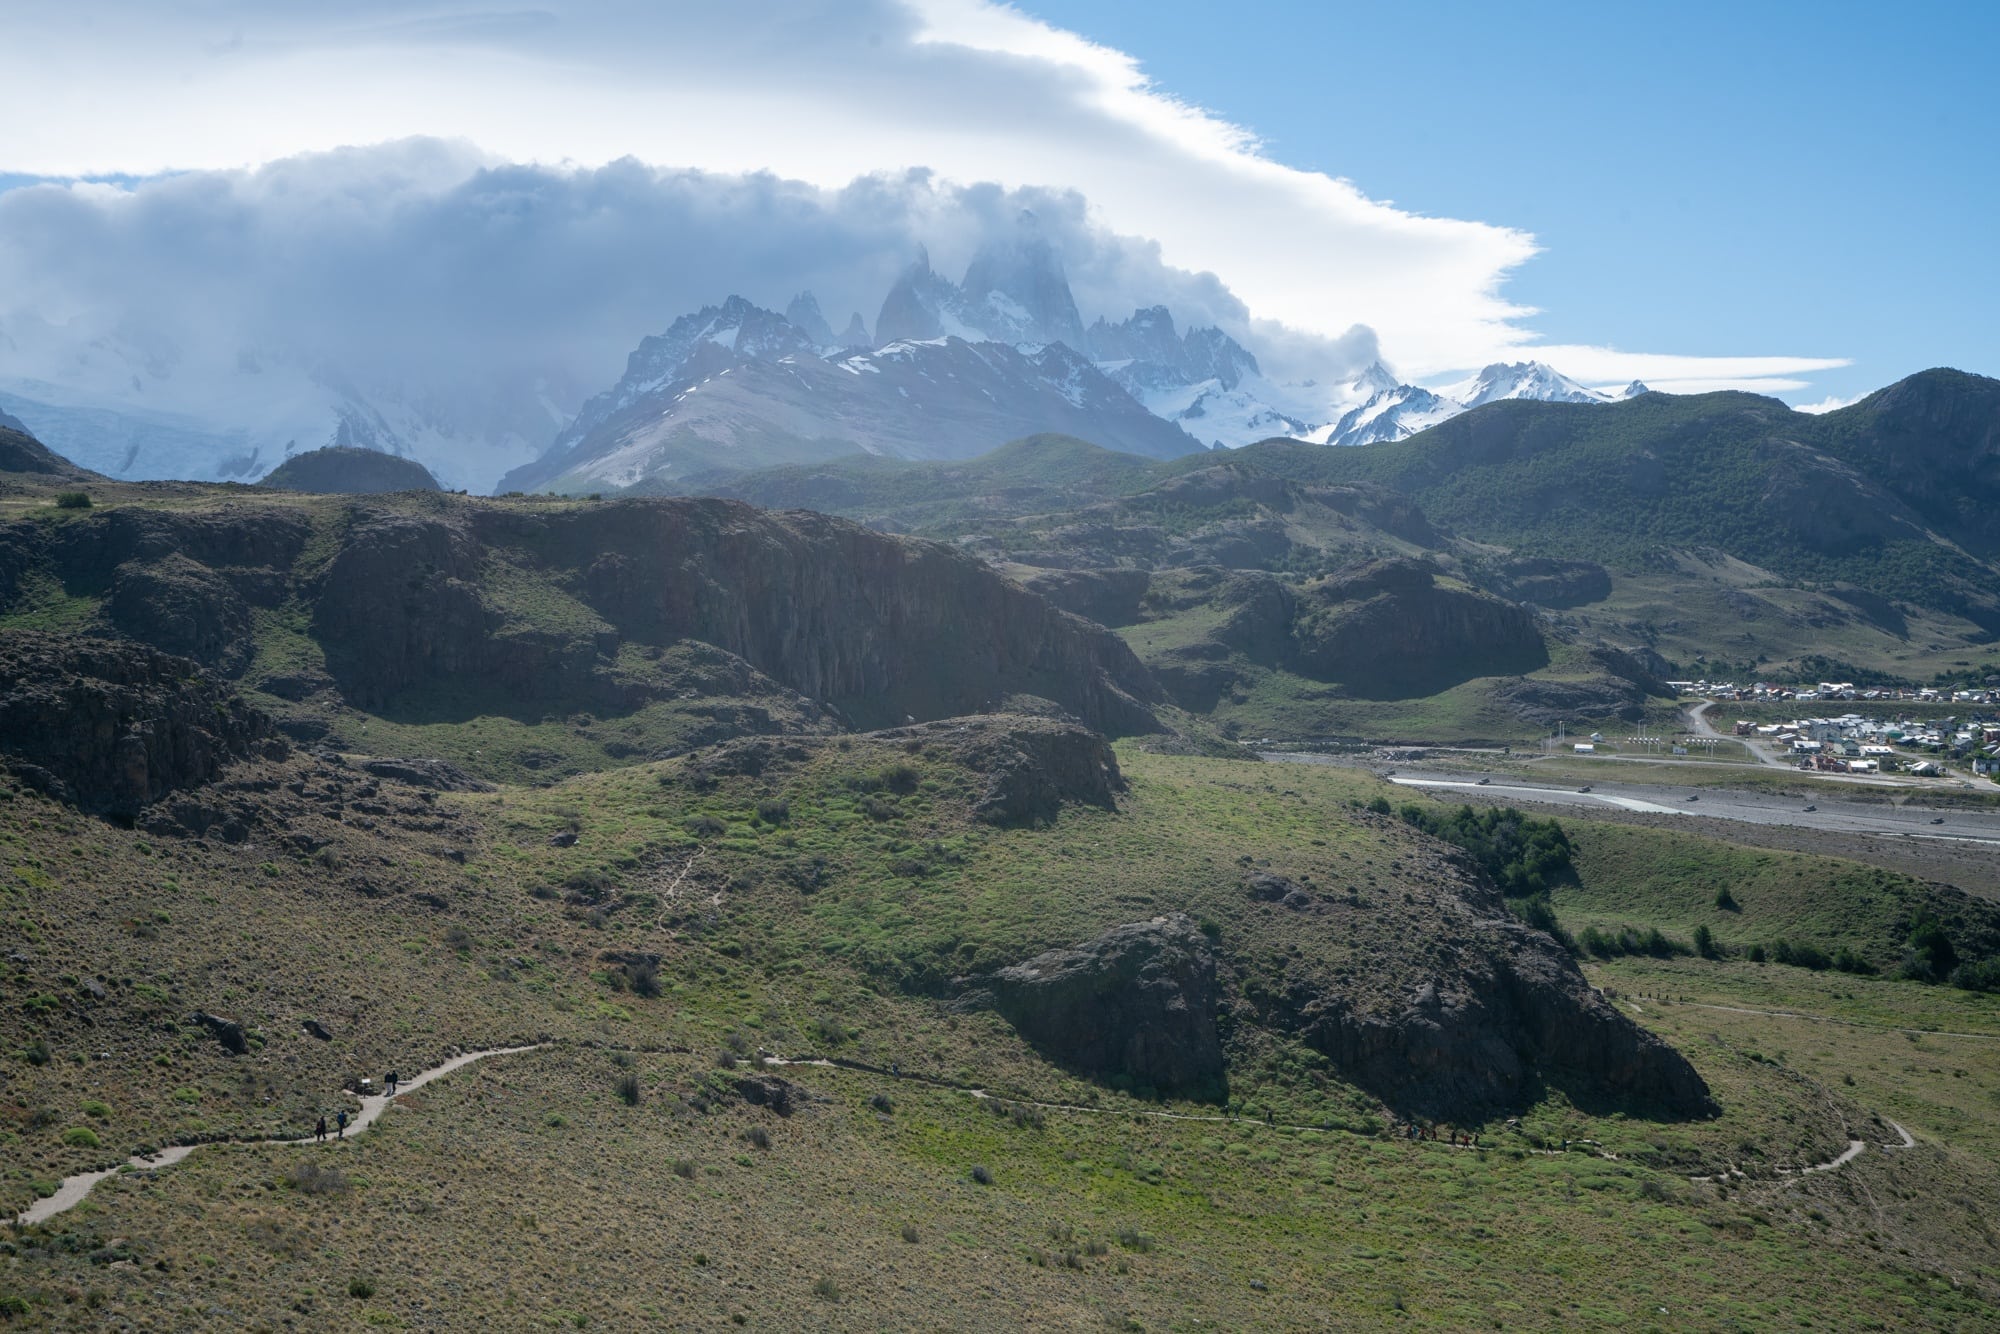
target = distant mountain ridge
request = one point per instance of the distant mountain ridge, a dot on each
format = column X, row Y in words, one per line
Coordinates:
column 959, row 367
column 736, row 387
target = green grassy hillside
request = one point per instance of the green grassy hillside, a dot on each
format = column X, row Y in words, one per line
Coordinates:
column 617, row 1176
column 1826, row 502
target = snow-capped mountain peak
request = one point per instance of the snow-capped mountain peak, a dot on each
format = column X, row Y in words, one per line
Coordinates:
column 1520, row 379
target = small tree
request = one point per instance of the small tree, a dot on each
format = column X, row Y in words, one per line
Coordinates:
column 1704, row 943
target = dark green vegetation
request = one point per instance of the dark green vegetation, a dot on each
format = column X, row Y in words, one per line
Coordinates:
column 347, row 470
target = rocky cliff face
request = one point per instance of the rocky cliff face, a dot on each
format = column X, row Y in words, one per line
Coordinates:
column 885, row 629
column 1136, row 1004
column 543, row 605
column 112, row 727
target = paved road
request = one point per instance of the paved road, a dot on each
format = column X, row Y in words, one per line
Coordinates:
column 1699, row 716
column 1833, row 812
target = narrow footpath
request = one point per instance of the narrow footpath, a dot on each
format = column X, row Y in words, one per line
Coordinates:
column 75, row 1189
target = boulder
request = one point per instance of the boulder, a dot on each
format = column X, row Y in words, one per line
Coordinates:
column 780, row 1095
column 1136, row 1003
column 225, row 1031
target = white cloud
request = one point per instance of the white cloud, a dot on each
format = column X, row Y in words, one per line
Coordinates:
column 820, row 91
column 1828, row 404
column 481, row 301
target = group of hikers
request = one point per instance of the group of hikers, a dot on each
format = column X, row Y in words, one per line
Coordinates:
column 389, row 1082
column 1467, row 1139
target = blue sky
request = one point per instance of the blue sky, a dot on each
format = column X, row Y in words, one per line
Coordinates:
column 1703, row 177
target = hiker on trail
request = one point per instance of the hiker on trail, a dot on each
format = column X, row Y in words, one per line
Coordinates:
column 1270, row 1117
column 391, row 1082
column 342, row 1118
column 319, row 1132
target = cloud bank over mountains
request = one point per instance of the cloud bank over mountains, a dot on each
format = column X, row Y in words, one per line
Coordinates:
column 837, row 102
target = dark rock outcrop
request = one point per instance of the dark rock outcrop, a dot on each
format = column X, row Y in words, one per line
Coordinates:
column 185, row 608
column 779, row 1095
column 1389, row 629
column 1032, row 766
column 1265, row 887
column 1549, row 582
column 112, row 726
column 347, row 470
column 1496, row 1029
column 1451, row 1008
column 1137, row 1004
column 1109, row 597
column 434, row 774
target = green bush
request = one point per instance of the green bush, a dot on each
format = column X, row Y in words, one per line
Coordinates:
column 1630, row 940
column 73, row 500
column 1802, row 956
column 80, row 1137
column 1847, row 961
column 360, row 1288
column 1523, row 855
column 1930, row 957
column 627, row 1089
column 1981, row 976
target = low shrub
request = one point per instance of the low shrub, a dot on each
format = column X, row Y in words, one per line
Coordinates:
column 80, row 1137
column 758, row 1137
column 360, row 1288
column 73, row 500
column 982, row 1175
column 627, row 1089
column 309, row 1178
